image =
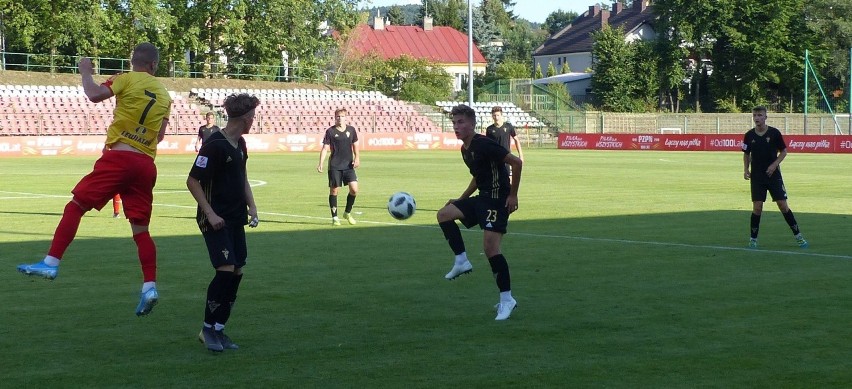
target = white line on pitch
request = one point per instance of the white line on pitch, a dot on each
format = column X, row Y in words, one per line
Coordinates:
column 569, row 237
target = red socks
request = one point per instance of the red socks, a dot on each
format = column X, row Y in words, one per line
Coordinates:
column 66, row 230
column 147, row 256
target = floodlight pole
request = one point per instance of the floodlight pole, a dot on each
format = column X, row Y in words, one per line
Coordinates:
column 469, row 53
column 807, row 63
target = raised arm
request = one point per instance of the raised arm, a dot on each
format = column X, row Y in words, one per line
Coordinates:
column 95, row 92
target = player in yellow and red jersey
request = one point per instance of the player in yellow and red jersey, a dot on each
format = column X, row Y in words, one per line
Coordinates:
column 126, row 168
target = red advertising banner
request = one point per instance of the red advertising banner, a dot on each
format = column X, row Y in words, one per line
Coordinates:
column 16, row 146
column 811, row 143
column 698, row 142
column 723, row 142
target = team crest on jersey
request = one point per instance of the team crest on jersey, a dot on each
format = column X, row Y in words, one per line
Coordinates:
column 201, row 161
column 768, row 139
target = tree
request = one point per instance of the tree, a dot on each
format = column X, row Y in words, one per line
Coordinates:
column 551, row 70
column 454, row 15
column 753, row 46
column 396, row 16
column 557, row 20
column 611, row 84
column 520, row 40
column 565, row 68
column 831, row 20
column 510, row 69
column 431, row 8
column 484, row 35
column 495, row 12
column 538, row 74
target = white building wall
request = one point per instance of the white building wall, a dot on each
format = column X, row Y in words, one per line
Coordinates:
column 577, row 62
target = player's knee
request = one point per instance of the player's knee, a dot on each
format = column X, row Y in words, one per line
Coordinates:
column 83, row 207
column 446, row 214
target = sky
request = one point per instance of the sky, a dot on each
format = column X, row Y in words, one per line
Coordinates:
column 532, row 10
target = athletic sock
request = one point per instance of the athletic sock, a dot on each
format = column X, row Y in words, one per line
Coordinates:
column 147, row 255
column 66, row 230
column 51, row 261
column 500, row 268
column 217, row 296
column 461, row 258
column 350, row 201
column 146, row 286
column 791, row 221
column 233, row 288
column 755, row 225
column 453, row 235
column 332, row 203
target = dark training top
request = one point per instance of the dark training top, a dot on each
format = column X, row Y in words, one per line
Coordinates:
column 502, row 135
column 340, row 142
column 221, row 169
column 484, row 158
column 204, row 132
column 764, row 151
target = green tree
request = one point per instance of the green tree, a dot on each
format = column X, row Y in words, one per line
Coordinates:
column 494, row 11
column 50, row 27
column 832, row 21
column 510, row 69
column 611, row 84
column 453, row 15
column 565, row 68
column 404, row 78
column 753, row 46
column 396, row 16
column 557, row 20
column 520, row 40
column 551, row 69
column 431, row 8
column 484, row 35
column 538, row 74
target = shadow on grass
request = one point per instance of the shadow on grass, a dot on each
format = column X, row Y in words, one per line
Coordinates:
column 367, row 305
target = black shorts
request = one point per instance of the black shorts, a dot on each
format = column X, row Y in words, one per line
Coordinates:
column 338, row 178
column 490, row 214
column 774, row 186
column 227, row 246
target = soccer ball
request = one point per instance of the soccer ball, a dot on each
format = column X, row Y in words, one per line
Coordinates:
column 401, row 205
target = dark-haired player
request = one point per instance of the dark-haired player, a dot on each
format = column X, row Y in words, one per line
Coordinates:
column 219, row 184
column 763, row 151
column 342, row 139
column 126, row 168
column 503, row 132
column 486, row 160
column 206, row 129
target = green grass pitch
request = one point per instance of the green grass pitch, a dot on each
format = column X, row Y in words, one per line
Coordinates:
column 630, row 270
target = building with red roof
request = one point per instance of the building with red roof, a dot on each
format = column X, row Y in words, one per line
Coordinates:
column 442, row 45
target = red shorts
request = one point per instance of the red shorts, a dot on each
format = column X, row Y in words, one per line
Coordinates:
column 129, row 174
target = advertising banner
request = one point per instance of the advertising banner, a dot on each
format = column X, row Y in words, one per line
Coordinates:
column 698, row 142
column 16, row 146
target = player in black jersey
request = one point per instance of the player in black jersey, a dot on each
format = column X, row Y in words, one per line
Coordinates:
column 503, row 132
column 763, row 151
column 219, row 184
column 342, row 139
column 206, row 129
column 486, row 160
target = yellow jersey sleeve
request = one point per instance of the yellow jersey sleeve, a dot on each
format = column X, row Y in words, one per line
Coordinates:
column 142, row 103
